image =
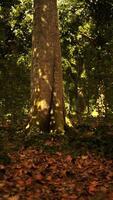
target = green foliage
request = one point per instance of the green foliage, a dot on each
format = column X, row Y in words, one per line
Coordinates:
column 15, row 58
column 87, row 45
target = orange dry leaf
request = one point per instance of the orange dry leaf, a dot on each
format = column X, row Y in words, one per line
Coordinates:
column 69, row 158
column 29, row 181
column 38, row 177
column 110, row 175
column 73, row 197
column 110, row 196
column 20, row 183
column 49, row 178
column 92, row 186
column 2, row 184
column 16, row 197
column 59, row 153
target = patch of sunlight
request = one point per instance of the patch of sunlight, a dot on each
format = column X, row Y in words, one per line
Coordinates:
column 83, row 75
column 85, row 28
column 79, row 11
column 37, row 55
column 35, row 49
column 57, row 104
column 25, row 110
column 43, row 20
column 37, row 122
column 44, row 8
column 47, row 44
column 45, row 77
column 52, row 117
column 73, row 61
column 38, row 89
column 79, row 36
column 59, row 1
column 42, row 104
column 54, row 94
column 95, row 113
column 33, row 117
column 51, row 112
column 100, row 102
column 28, row 126
column 8, row 115
column 68, row 122
column 31, row 109
column 52, row 131
column 59, row 130
column 40, row 72
column 48, row 83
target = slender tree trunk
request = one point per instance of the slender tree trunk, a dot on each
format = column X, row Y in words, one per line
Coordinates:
column 46, row 75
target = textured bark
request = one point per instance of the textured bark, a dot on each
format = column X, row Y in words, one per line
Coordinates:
column 46, row 76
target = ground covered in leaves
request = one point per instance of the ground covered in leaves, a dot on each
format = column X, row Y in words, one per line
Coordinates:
column 48, row 172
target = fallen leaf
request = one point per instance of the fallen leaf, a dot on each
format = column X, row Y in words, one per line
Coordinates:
column 16, row 197
column 2, row 184
column 29, row 181
column 84, row 157
column 38, row 177
column 20, row 183
column 69, row 158
column 103, row 189
column 59, row 153
column 73, row 197
column 49, row 178
column 92, row 186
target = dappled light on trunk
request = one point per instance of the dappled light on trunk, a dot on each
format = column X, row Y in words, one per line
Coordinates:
column 46, row 77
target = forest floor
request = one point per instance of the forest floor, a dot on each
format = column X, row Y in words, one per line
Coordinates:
column 77, row 166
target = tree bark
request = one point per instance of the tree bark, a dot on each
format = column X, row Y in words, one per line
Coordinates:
column 47, row 110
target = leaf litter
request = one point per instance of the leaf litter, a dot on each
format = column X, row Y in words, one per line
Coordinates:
column 36, row 174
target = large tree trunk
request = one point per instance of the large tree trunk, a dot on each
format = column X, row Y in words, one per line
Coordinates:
column 46, row 76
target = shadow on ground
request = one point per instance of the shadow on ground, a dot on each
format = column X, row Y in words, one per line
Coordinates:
column 85, row 139
column 78, row 141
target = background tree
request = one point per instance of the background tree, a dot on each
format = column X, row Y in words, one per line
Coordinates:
column 86, row 29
